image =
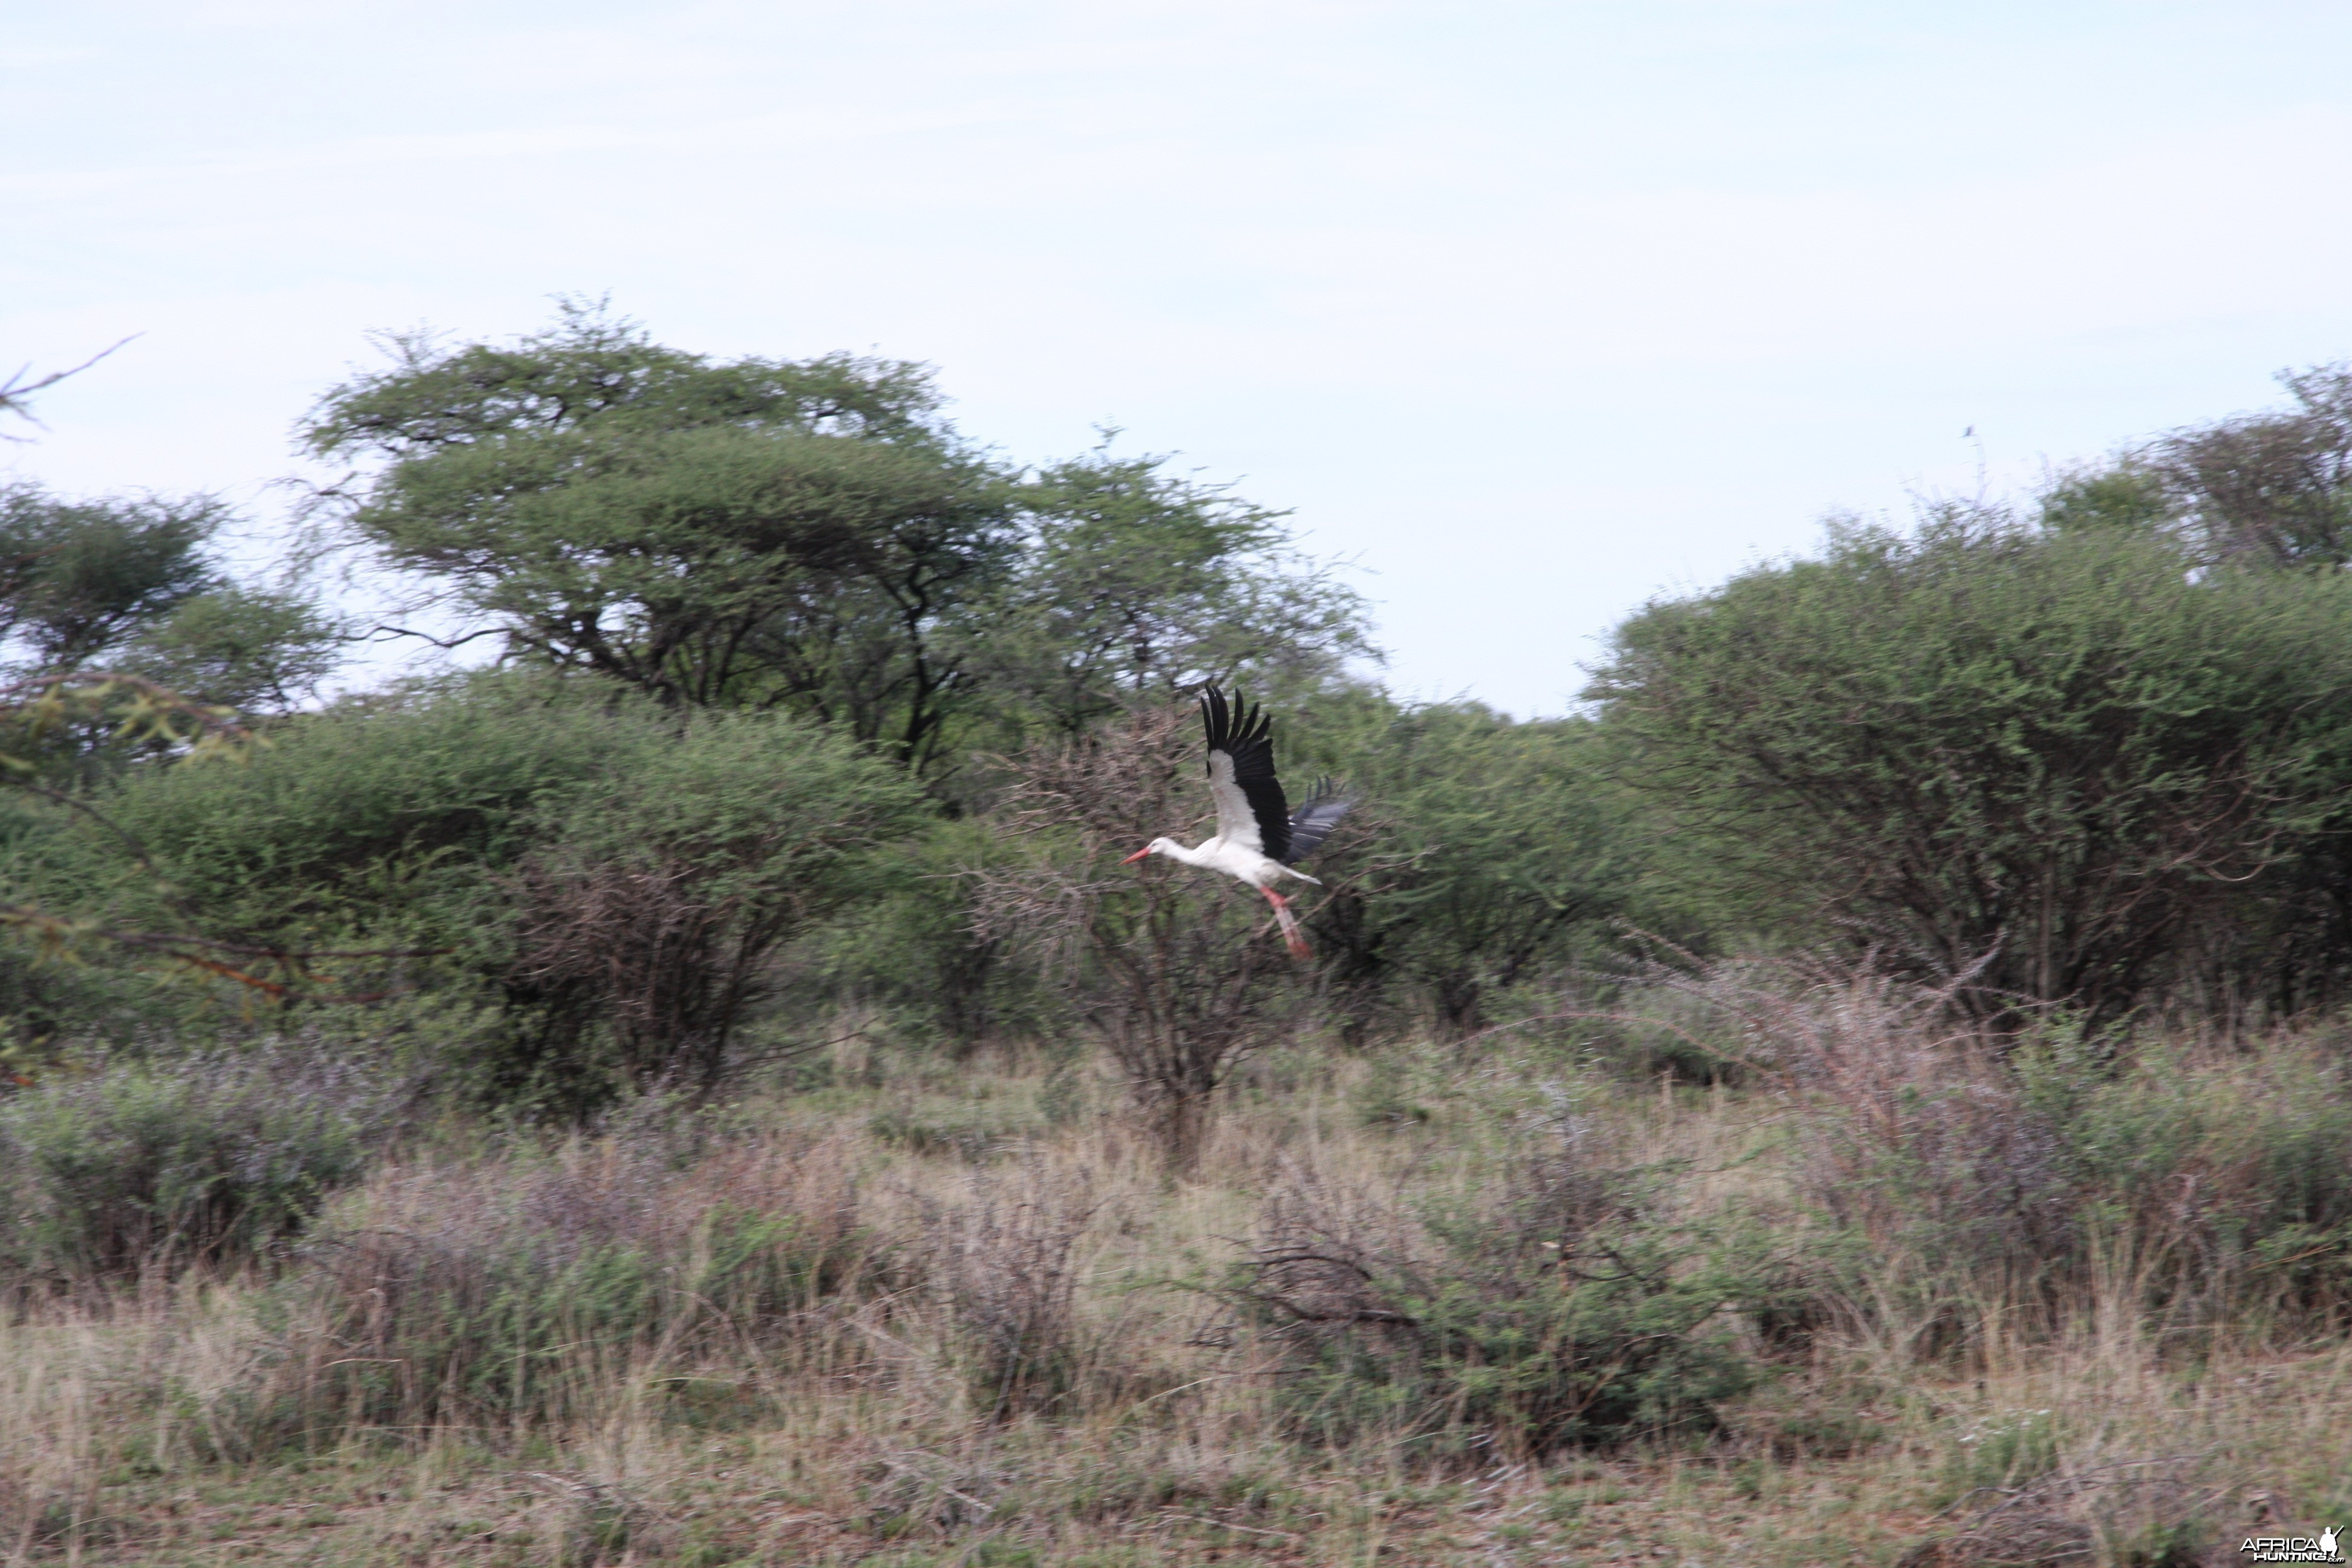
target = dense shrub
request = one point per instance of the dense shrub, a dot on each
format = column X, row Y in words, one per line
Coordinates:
column 610, row 878
column 2066, row 758
column 1497, row 852
column 504, row 1289
column 2213, row 1192
column 210, row 1159
column 1556, row 1306
column 913, row 953
column 2207, row 1187
column 2219, row 1183
column 373, row 816
column 646, row 919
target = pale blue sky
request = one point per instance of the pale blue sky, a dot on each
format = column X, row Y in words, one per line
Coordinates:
column 1534, row 310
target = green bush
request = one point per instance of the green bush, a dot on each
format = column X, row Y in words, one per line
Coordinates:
column 608, row 879
column 913, row 953
column 2066, row 760
column 644, row 926
column 211, row 1160
column 374, row 820
column 1552, row 1309
column 1501, row 851
column 2223, row 1184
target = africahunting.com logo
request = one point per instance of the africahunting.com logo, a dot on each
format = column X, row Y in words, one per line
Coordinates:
column 2320, row 1548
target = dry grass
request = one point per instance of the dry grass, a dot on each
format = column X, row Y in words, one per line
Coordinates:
column 1017, row 1348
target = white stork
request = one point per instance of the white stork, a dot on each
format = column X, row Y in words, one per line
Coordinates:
column 1257, row 832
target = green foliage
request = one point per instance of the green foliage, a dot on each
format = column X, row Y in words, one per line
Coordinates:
column 810, row 535
column 2123, row 498
column 256, row 652
column 913, row 950
column 593, row 368
column 127, row 583
column 2225, row 1187
column 1134, row 585
column 612, row 876
column 1554, row 1309
column 658, row 895
column 210, row 1159
column 1502, row 848
column 1973, row 739
column 80, row 579
column 2267, row 490
column 374, row 817
column 752, row 532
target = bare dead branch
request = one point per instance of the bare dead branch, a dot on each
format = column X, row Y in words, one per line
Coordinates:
column 17, row 392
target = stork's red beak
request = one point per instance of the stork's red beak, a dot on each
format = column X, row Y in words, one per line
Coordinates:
column 1136, row 856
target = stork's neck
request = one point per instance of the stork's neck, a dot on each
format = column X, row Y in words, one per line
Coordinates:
column 1175, row 851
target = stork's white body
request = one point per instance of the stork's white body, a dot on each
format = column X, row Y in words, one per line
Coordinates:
column 1236, row 861
column 1244, row 824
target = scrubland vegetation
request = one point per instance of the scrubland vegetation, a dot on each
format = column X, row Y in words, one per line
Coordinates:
column 703, row 1090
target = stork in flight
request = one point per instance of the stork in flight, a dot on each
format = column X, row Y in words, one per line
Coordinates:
column 1258, row 836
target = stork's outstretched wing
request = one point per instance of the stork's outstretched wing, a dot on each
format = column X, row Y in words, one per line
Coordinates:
column 1312, row 822
column 1251, row 810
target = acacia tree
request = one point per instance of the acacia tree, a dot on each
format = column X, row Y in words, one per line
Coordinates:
column 811, row 534
column 77, row 580
column 125, row 583
column 2268, row 489
column 2062, row 751
column 132, row 585
column 2271, row 489
column 1132, row 585
column 755, row 533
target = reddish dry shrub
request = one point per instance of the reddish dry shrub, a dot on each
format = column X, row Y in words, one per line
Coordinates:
column 650, row 951
column 1004, row 1262
column 1961, row 1173
column 1936, row 1174
column 1925, row 1139
column 505, row 1289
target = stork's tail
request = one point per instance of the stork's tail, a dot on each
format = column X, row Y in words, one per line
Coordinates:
column 1291, row 934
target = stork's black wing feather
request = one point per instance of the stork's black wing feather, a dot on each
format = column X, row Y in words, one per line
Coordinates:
column 1312, row 822
column 1244, row 734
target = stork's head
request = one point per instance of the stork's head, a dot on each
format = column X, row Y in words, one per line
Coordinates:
column 1157, row 847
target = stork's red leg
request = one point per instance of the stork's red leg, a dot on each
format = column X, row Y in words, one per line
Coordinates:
column 1289, row 923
